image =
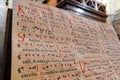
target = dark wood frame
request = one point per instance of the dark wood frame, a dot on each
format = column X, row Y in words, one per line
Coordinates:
column 116, row 24
column 6, row 63
column 80, row 9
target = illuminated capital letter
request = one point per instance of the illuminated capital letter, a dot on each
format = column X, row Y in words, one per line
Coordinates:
column 21, row 37
column 82, row 65
column 20, row 10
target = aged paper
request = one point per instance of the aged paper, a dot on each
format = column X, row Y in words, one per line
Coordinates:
column 52, row 44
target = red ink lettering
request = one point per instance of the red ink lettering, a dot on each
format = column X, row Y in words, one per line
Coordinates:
column 20, row 9
column 22, row 38
column 82, row 65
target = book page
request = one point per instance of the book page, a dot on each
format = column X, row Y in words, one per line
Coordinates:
column 52, row 44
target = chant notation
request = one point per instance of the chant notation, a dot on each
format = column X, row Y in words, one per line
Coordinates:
column 45, row 56
column 47, row 67
column 24, row 69
column 107, row 76
column 96, row 71
column 97, row 62
column 69, row 75
column 66, row 76
column 57, row 66
column 48, row 46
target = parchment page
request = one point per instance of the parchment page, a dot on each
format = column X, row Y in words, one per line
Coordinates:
column 52, row 44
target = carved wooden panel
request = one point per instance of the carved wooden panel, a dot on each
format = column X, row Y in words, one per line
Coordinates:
column 93, row 4
column 87, row 8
